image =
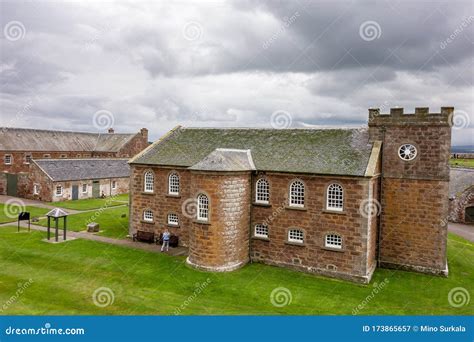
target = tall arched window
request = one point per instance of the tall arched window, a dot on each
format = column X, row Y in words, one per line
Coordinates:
column 149, row 179
column 335, row 197
column 203, row 208
column 173, row 184
column 262, row 191
column 297, row 194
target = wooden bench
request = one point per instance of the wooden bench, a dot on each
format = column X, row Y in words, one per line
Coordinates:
column 141, row 235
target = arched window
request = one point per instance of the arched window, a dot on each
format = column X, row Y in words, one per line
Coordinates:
column 148, row 215
column 333, row 241
column 295, row 235
column 173, row 184
column 297, row 194
column 335, row 197
column 262, row 191
column 149, row 178
column 203, row 208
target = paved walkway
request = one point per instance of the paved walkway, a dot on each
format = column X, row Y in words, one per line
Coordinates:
column 464, row 230
column 151, row 247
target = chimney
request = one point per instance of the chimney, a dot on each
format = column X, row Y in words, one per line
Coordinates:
column 111, row 130
column 144, row 133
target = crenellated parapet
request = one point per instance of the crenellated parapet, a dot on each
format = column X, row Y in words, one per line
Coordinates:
column 422, row 116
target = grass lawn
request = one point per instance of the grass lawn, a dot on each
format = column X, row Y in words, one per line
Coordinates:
column 66, row 275
column 110, row 221
column 469, row 163
column 92, row 203
column 9, row 213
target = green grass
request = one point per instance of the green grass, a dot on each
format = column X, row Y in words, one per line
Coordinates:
column 66, row 275
column 92, row 203
column 9, row 213
column 110, row 220
column 469, row 163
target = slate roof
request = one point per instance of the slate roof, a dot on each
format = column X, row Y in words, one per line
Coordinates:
column 57, row 212
column 222, row 159
column 26, row 139
column 459, row 180
column 80, row 169
column 318, row 151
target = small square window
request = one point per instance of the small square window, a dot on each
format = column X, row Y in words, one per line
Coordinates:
column 46, row 155
column 295, row 235
column 173, row 219
column 84, row 188
column 114, row 185
column 333, row 241
column 8, row 159
column 59, row 190
column 36, row 190
column 63, row 156
column 148, row 215
column 261, row 230
column 27, row 158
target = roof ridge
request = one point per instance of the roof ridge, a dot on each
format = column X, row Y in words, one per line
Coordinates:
column 60, row 131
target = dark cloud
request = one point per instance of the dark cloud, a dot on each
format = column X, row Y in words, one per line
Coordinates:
column 233, row 63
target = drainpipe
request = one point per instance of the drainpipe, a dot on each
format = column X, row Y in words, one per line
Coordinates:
column 252, row 178
column 379, row 220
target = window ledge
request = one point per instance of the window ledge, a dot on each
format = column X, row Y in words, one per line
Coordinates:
column 207, row 223
column 173, row 196
column 147, row 193
column 262, row 204
column 289, row 207
column 291, row 243
column 260, row 238
column 329, row 211
column 173, row 225
column 147, row 222
column 333, row 249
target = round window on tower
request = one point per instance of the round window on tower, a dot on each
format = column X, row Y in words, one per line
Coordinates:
column 407, row 152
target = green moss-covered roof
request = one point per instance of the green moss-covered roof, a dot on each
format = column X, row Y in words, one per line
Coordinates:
column 318, row 151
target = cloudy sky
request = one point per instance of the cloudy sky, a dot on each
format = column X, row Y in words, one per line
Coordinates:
column 88, row 65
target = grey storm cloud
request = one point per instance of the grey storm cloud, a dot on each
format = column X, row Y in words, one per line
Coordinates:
column 232, row 63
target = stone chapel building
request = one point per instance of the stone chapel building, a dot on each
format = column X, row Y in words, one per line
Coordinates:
column 337, row 202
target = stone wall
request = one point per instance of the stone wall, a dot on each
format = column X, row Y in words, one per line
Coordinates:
column 351, row 262
column 3, row 183
column 458, row 205
column 414, row 194
column 221, row 243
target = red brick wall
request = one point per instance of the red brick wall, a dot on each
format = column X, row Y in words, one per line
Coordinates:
column 222, row 244
column 458, row 205
column 134, row 146
column 350, row 262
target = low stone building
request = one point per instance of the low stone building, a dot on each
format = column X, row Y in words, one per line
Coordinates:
column 19, row 146
column 55, row 180
column 461, row 195
column 336, row 202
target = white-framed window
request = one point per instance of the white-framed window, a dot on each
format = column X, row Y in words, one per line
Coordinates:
column 407, row 152
column 148, row 215
column 173, row 219
column 149, row 180
column 27, row 158
column 261, row 230
column 203, row 208
column 333, row 241
column 262, row 191
column 114, row 185
column 297, row 194
column 8, row 159
column 335, row 197
column 295, row 235
column 173, row 184
column 84, row 188
column 59, row 190
column 36, row 189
